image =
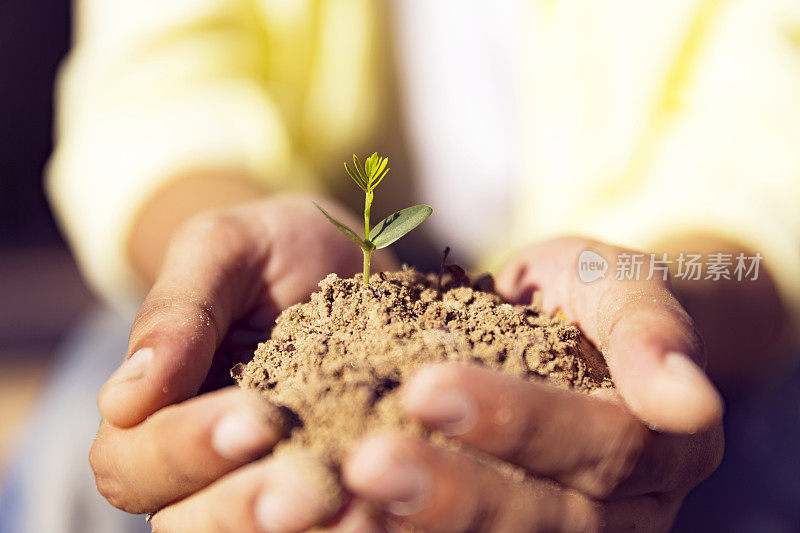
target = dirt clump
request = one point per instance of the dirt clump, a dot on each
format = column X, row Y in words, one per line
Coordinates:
column 335, row 364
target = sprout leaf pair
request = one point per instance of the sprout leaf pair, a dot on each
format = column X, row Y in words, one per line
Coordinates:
column 388, row 230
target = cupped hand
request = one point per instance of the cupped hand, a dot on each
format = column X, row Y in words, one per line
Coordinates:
column 612, row 461
column 226, row 276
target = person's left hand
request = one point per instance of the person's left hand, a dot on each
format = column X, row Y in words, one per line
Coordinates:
column 623, row 461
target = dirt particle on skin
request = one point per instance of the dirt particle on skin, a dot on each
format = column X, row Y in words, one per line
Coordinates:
column 335, row 364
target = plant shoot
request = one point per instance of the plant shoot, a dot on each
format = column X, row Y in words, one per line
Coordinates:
column 388, row 230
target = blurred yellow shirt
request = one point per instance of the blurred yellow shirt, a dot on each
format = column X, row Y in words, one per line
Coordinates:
column 642, row 119
column 153, row 90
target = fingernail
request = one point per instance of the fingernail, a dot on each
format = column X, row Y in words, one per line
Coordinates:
column 451, row 412
column 402, row 484
column 682, row 369
column 407, row 487
column 239, row 436
column 135, row 367
column 689, row 388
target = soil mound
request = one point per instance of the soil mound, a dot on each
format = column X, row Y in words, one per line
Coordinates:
column 335, row 364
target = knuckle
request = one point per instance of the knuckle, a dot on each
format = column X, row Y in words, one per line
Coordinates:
column 152, row 312
column 106, row 484
column 107, row 480
column 189, row 308
column 97, row 456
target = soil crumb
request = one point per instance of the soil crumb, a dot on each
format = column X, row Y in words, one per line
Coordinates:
column 335, row 364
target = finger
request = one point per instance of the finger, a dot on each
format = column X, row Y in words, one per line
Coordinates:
column 653, row 351
column 283, row 494
column 210, row 275
column 182, row 448
column 443, row 490
column 589, row 444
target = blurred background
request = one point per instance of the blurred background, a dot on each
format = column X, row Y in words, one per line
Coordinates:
column 42, row 295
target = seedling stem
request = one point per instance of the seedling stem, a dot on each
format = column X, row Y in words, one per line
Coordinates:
column 388, row 230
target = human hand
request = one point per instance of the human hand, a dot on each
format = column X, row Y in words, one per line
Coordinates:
column 619, row 462
column 226, row 276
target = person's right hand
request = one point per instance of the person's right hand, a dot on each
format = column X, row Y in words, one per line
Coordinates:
column 226, row 276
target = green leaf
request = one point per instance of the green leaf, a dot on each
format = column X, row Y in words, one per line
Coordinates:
column 380, row 179
column 355, row 177
column 375, row 166
column 347, row 232
column 369, row 163
column 360, row 170
column 398, row 224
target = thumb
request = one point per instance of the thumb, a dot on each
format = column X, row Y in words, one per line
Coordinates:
column 206, row 282
column 656, row 358
column 653, row 351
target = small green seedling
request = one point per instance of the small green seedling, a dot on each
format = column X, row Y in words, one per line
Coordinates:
column 390, row 228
